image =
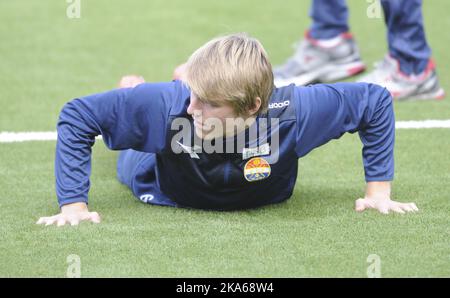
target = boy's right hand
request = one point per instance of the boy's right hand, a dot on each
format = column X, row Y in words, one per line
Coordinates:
column 71, row 213
column 130, row 81
column 179, row 72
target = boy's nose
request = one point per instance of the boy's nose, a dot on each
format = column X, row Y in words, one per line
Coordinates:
column 194, row 107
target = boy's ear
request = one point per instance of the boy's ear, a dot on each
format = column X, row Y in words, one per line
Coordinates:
column 256, row 106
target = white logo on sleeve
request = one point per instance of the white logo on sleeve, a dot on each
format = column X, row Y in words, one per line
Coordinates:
column 277, row 105
column 146, row 198
column 190, row 150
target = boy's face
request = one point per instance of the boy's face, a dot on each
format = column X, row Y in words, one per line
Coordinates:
column 210, row 120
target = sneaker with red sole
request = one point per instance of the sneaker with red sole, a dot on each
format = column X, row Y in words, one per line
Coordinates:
column 320, row 61
column 423, row 86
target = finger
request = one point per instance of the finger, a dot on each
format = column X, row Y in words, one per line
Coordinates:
column 414, row 207
column 360, row 205
column 74, row 222
column 94, row 217
column 406, row 207
column 50, row 221
column 383, row 209
column 41, row 220
column 398, row 209
column 60, row 222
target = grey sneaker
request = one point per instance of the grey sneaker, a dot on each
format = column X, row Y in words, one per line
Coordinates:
column 423, row 86
column 320, row 61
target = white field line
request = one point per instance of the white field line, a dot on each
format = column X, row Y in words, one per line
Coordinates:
column 13, row 137
column 422, row 124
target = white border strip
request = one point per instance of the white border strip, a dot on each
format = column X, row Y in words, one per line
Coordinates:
column 15, row 137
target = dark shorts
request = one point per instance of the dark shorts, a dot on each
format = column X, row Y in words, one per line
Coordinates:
column 137, row 170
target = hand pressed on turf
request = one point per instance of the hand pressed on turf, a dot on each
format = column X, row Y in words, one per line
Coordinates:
column 378, row 196
column 384, row 205
column 71, row 214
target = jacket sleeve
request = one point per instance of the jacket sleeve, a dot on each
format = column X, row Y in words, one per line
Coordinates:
column 128, row 118
column 326, row 112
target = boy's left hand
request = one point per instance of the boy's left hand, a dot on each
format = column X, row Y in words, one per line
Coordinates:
column 384, row 205
column 378, row 196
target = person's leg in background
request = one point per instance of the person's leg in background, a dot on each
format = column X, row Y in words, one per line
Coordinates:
column 408, row 72
column 327, row 52
column 406, row 35
column 329, row 18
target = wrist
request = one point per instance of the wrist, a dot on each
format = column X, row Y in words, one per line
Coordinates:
column 378, row 189
column 74, row 207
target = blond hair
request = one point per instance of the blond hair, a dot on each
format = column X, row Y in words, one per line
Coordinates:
column 233, row 70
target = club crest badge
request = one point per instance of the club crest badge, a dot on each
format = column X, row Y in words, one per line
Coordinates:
column 256, row 169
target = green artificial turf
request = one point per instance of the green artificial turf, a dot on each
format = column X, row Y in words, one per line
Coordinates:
column 48, row 59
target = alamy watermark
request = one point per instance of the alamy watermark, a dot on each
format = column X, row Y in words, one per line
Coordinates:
column 374, row 9
column 374, row 269
column 73, row 10
column 230, row 135
column 74, row 268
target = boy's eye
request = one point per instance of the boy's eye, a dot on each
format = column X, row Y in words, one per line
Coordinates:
column 214, row 105
column 209, row 104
